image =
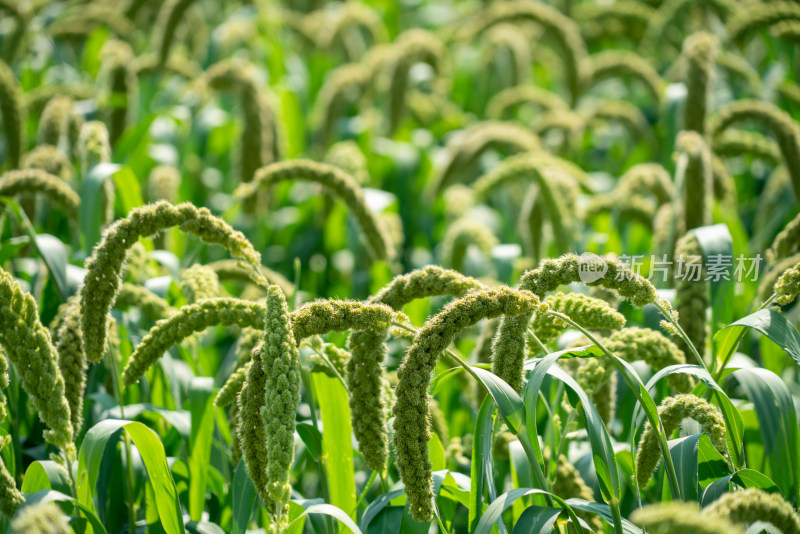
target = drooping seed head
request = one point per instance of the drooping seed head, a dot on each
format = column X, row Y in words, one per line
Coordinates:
column 692, row 290
column 51, row 160
column 680, row 518
column 199, row 282
column 752, row 505
column 634, row 343
column 11, row 110
column 412, row 409
column 33, row 181
column 281, row 365
column 590, row 313
column 27, row 344
column 701, row 50
column 337, row 182
column 103, row 278
column 672, row 411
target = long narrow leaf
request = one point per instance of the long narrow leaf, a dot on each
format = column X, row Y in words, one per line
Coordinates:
column 201, row 398
column 152, row 452
column 336, row 440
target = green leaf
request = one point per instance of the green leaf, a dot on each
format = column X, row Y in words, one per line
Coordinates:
column 509, row 403
column 312, row 439
column 499, row 505
column 128, row 194
column 777, row 418
column 333, row 511
column 201, row 402
column 716, row 241
column 152, row 452
column 537, row 520
column 336, row 440
column 602, row 450
column 436, row 453
column 49, row 248
column 10, row 247
column 90, row 216
column 378, row 505
column 481, row 461
column 697, row 464
column 769, row 322
column 244, row 499
column 603, row 511
column 521, row 473
column 444, row 377
column 49, row 495
column 645, row 400
column 44, row 474
column 744, row 478
column 733, row 420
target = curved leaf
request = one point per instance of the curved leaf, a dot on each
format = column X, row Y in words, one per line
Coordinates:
column 334, row 512
column 49, row 495
column 744, row 478
column 777, row 417
column 697, row 464
column 496, row 509
column 244, row 499
column 733, row 421
column 155, row 461
column 602, row 449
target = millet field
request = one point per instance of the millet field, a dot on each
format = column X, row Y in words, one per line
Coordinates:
column 399, row 267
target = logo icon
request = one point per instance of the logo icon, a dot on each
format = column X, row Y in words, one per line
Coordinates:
column 591, row 267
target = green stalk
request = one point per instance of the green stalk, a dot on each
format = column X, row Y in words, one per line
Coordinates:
column 668, row 316
column 363, row 495
column 537, row 341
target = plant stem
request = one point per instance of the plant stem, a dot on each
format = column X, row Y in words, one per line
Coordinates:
column 368, row 485
column 537, row 341
column 668, row 316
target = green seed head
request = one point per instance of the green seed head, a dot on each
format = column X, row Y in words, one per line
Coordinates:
column 672, row 411
column 56, row 121
column 788, row 285
column 752, row 505
column 10, row 497
column 50, row 160
column 692, row 294
column 633, row 343
column 701, row 50
column 281, row 365
column 11, row 110
column 41, row 518
column 163, row 183
column 590, row 313
column 412, row 410
column 199, row 282
column 460, row 235
column 337, row 182
column 27, row 344
column 680, row 518
column 33, row 181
